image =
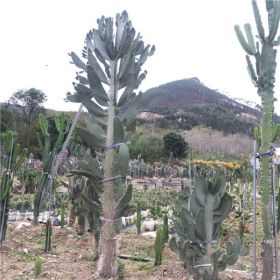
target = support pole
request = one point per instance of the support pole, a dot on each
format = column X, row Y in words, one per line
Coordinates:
column 275, row 223
column 254, row 211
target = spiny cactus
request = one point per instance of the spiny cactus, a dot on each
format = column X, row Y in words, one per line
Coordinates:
column 11, row 162
column 159, row 246
column 114, row 57
column 38, row 266
column 263, row 77
column 165, row 229
column 49, row 152
column 48, row 233
column 138, row 216
column 201, row 213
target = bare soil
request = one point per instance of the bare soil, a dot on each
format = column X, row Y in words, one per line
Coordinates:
column 73, row 257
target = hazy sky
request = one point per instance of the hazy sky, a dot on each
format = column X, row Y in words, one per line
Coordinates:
column 192, row 38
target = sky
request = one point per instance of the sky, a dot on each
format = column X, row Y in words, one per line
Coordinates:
column 192, row 39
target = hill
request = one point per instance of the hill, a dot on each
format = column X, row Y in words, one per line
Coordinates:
column 188, row 102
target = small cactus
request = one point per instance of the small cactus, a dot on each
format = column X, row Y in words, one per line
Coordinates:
column 159, row 246
column 138, row 216
column 48, row 233
column 38, row 266
column 165, row 229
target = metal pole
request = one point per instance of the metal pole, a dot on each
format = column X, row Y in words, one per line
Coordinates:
column 275, row 223
column 254, row 211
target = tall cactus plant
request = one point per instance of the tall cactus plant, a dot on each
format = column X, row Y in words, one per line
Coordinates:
column 263, row 77
column 49, row 151
column 11, row 162
column 114, row 57
column 201, row 213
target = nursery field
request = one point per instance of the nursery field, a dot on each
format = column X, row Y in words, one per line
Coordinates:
column 73, row 256
column 95, row 195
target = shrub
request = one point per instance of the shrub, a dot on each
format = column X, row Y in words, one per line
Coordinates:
column 174, row 143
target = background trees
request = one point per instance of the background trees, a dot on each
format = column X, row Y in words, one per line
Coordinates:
column 175, row 144
column 26, row 106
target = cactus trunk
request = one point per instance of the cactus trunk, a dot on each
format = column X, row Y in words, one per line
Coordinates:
column 266, row 135
column 108, row 262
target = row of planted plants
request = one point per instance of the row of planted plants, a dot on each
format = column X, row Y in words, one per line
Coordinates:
column 112, row 59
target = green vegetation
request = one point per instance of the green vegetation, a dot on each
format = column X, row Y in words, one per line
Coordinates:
column 174, row 143
column 262, row 75
column 38, row 266
column 49, row 152
column 201, row 214
column 187, row 155
column 12, row 159
column 159, row 246
column 138, row 216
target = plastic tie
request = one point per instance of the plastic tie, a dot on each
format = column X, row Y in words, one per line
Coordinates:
column 115, row 146
column 110, row 220
column 111, row 178
column 203, row 265
column 113, row 238
column 8, row 171
column 209, row 242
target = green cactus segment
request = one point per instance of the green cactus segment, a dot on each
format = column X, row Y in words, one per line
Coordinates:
column 251, row 71
column 158, row 247
column 250, row 38
column 86, row 190
column 165, row 229
column 138, row 216
column 248, row 49
column 123, row 203
column 12, row 159
column 258, row 20
column 62, row 123
column 48, row 233
column 201, row 213
column 273, row 21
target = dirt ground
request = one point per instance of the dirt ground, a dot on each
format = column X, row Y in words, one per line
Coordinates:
column 73, row 256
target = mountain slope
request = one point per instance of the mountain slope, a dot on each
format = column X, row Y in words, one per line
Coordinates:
column 189, row 93
column 187, row 103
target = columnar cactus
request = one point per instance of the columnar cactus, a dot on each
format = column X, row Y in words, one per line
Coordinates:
column 138, row 216
column 165, row 228
column 114, row 59
column 201, row 213
column 159, row 246
column 11, row 162
column 49, row 152
column 263, row 78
